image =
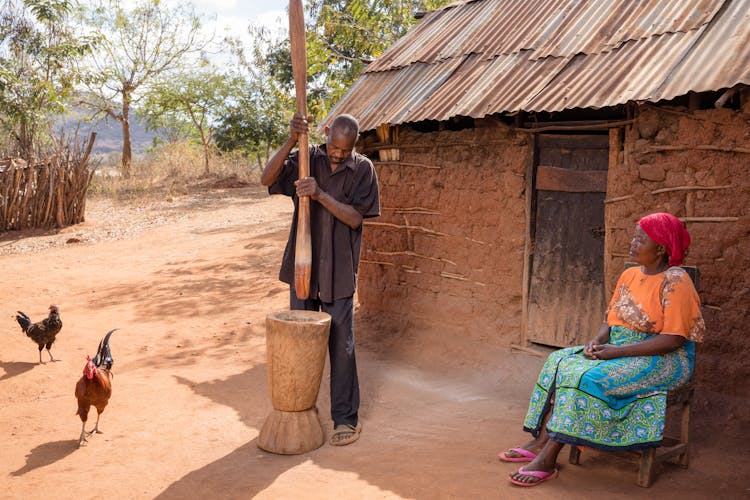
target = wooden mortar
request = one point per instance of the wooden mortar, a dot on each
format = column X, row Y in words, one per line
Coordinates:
column 296, row 346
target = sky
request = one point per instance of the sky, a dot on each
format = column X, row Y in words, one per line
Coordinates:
column 232, row 17
column 236, row 15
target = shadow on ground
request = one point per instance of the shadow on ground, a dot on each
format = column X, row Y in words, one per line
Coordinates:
column 47, row 454
column 14, row 368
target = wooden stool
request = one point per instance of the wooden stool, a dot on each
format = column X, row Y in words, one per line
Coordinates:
column 296, row 346
column 670, row 447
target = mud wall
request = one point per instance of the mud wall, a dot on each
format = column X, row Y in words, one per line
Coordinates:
column 695, row 165
column 446, row 255
column 445, row 259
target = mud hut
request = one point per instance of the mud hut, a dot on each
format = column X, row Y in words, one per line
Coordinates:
column 517, row 144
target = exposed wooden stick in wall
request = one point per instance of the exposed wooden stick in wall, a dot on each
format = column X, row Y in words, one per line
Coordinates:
column 478, row 242
column 705, row 147
column 408, row 164
column 691, row 188
column 709, row 219
column 417, row 212
column 409, row 253
column 453, row 276
column 592, row 126
column 408, row 208
column 619, row 198
column 388, row 225
column 411, row 210
column 670, row 189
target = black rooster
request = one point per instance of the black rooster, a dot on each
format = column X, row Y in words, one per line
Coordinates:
column 43, row 332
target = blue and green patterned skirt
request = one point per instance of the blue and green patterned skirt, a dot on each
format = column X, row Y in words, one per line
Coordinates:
column 615, row 404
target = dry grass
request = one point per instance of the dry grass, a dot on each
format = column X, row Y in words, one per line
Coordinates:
column 172, row 169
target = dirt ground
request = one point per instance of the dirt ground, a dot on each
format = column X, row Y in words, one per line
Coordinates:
column 189, row 282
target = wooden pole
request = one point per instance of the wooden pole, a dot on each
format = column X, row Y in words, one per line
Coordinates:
column 303, row 248
column 528, row 247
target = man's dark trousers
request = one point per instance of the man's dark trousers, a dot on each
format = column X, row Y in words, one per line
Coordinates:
column 344, row 382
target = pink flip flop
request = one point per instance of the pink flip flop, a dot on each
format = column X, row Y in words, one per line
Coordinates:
column 542, row 475
column 526, row 455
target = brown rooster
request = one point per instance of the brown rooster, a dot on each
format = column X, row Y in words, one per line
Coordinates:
column 43, row 332
column 95, row 386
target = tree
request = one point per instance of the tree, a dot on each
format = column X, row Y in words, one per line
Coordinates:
column 195, row 98
column 343, row 36
column 137, row 46
column 257, row 116
column 38, row 51
column 346, row 35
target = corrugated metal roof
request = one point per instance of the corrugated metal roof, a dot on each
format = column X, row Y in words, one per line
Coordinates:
column 720, row 59
column 480, row 57
column 615, row 82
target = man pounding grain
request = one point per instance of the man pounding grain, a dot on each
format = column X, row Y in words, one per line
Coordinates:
column 343, row 189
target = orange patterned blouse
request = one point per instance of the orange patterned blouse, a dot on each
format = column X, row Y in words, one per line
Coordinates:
column 661, row 303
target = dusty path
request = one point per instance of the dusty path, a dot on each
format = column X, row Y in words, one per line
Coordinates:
column 189, row 284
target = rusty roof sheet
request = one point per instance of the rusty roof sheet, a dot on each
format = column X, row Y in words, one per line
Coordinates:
column 609, row 81
column 721, row 57
column 479, row 57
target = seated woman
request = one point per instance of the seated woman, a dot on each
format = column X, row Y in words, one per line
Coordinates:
column 611, row 393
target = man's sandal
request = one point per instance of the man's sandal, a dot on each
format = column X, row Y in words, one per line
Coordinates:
column 344, row 434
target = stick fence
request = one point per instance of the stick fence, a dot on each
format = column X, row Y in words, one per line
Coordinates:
column 49, row 193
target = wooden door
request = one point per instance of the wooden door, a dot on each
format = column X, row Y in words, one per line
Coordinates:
column 566, row 288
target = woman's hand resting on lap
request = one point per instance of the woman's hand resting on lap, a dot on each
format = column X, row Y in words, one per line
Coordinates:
column 594, row 350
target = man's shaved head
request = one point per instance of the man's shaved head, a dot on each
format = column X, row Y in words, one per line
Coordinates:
column 346, row 125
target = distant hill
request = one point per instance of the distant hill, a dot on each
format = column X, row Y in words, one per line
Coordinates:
column 109, row 132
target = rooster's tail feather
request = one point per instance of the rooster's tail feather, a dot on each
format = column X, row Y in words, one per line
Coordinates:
column 23, row 320
column 104, row 353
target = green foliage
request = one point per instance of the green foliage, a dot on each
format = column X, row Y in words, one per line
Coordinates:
column 343, row 36
column 346, row 35
column 257, row 116
column 188, row 104
column 38, row 55
column 140, row 61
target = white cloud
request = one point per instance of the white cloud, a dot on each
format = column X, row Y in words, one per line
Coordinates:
column 233, row 17
column 236, row 15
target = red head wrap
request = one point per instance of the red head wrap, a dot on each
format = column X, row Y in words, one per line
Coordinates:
column 667, row 230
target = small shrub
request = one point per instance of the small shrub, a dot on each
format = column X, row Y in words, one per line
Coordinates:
column 175, row 168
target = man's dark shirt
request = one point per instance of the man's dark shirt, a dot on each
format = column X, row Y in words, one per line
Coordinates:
column 335, row 246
